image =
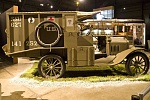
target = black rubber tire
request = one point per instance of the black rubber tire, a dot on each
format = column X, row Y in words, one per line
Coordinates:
column 51, row 66
column 41, row 43
column 137, row 64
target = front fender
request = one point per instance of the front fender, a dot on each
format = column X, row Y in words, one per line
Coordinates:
column 122, row 55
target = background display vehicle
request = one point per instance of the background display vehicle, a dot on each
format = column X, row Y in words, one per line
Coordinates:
column 67, row 37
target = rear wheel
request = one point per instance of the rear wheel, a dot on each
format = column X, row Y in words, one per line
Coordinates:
column 137, row 64
column 51, row 66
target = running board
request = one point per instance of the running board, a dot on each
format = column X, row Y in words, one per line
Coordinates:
column 104, row 61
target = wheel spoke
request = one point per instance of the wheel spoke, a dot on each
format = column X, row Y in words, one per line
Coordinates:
column 138, row 70
column 142, row 61
column 58, row 67
column 51, row 73
column 57, row 71
column 142, row 65
column 138, row 58
column 54, row 72
column 134, row 69
column 50, row 60
column 141, row 68
column 132, row 64
column 133, row 61
column 45, row 63
column 57, row 64
column 47, row 69
column 48, row 72
column 135, row 58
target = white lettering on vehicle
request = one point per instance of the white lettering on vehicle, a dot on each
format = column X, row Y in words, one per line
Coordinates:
column 15, row 21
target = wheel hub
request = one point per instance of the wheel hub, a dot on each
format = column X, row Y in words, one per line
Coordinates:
column 137, row 64
column 52, row 67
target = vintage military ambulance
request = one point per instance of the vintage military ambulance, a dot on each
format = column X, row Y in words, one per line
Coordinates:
column 74, row 39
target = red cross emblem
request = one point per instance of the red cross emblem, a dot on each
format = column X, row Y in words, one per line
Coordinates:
column 51, row 18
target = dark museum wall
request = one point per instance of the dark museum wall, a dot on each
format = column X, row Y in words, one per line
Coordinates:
column 146, row 17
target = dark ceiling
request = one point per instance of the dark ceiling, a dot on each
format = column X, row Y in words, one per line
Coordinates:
column 87, row 5
column 34, row 5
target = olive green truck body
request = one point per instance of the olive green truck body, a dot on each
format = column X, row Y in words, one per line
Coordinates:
column 77, row 50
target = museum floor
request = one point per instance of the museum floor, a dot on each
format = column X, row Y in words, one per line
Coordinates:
column 13, row 90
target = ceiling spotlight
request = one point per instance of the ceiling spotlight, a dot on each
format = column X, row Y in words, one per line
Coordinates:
column 124, row 8
column 81, row 0
column 77, row 3
column 41, row 4
column 19, row 0
column 51, row 6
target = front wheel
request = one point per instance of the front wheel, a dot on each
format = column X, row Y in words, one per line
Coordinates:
column 137, row 64
column 51, row 66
